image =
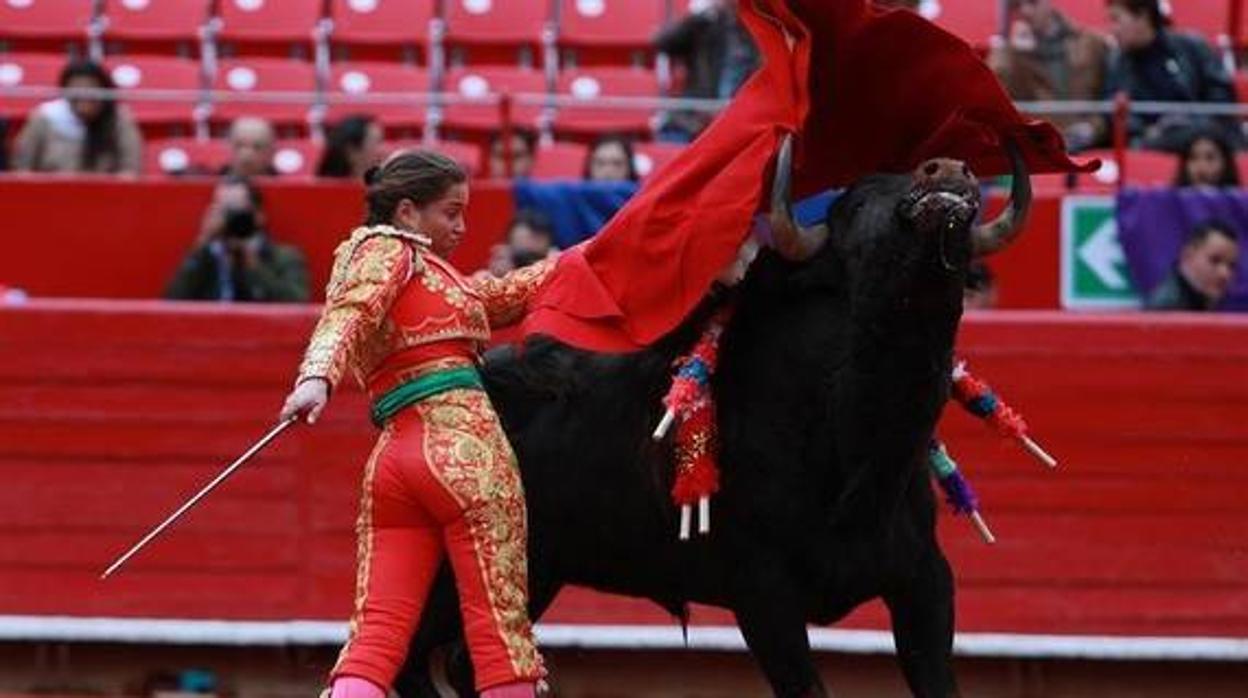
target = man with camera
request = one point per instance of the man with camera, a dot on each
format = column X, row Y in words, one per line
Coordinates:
column 234, row 259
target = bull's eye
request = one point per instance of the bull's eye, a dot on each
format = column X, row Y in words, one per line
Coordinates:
column 931, row 169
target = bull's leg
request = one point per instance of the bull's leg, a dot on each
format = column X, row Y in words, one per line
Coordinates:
column 922, row 617
column 775, row 631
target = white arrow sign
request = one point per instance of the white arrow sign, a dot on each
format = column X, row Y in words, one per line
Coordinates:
column 1103, row 254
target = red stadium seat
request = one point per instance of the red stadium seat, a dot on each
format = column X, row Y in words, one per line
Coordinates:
column 358, row 80
column 609, row 31
column 238, row 77
column 585, row 87
column 267, row 27
column 467, row 155
column 1145, row 168
column 27, row 70
column 648, row 157
column 973, row 21
column 185, row 156
column 296, row 158
column 491, row 81
column 159, row 73
column 1208, row 17
column 45, row 25
column 560, row 160
column 494, row 31
column 165, row 26
column 381, row 28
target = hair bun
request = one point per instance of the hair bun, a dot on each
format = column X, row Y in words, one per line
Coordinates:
column 371, row 175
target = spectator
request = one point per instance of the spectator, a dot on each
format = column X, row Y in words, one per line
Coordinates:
column 234, row 258
column 610, row 159
column 79, row 133
column 1047, row 57
column 353, row 146
column 1207, row 161
column 718, row 55
column 252, row 144
column 523, row 147
column 1204, row 272
column 1156, row 64
column 980, row 289
column 530, row 238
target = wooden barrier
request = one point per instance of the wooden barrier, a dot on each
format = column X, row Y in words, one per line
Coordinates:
column 113, row 412
column 109, row 238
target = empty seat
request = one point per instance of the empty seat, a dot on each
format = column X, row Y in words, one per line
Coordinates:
column 381, row 28
column 268, row 27
column 296, row 158
column 975, row 22
column 488, row 83
column 586, row 89
column 609, row 31
column 648, row 157
column 237, row 78
column 185, row 156
column 494, row 31
column 26, row 70
column 467, row 155
column 159, row 73
column 151, row 26
column 357, row 81
column 610, row 22
column 1208, row 17
column 45, row 25
column 1145, row 168
column 560, row 160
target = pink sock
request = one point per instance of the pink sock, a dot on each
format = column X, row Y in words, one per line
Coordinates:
column 355, row 687
column 520, row 689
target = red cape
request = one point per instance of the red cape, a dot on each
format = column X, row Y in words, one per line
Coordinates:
column 865, row 91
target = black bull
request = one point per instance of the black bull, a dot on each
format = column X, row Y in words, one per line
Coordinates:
column 833, row 373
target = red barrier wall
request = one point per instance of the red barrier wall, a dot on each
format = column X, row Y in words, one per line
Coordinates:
column 113, row 412
column 108, row 238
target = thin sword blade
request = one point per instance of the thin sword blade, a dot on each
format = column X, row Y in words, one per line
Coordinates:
column 242, row 460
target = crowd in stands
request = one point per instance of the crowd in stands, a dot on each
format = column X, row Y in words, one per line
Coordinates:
column 693, row 49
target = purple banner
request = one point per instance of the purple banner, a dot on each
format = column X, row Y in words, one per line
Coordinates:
column 1152, row 224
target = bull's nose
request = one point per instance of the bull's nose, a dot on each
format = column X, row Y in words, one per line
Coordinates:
column 942, row 170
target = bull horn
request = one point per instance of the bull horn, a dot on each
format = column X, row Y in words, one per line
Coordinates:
column 792, row 241
column 996, row 235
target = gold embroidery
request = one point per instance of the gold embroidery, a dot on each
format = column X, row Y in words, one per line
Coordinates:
column 369, row 271
column 506, row 299
column 364, row 546
column 467, row 451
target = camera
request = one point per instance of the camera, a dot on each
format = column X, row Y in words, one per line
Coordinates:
column 240, row 223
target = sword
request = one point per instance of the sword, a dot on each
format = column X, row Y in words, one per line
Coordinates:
column 259, row 446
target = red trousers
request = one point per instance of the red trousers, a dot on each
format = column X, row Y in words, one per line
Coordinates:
column 442, row 480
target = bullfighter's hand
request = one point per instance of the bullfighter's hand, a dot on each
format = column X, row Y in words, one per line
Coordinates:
column 307, row 400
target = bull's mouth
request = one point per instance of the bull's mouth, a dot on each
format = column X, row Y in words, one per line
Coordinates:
column 941, row 206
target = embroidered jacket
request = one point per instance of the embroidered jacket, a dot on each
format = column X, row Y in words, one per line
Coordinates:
column 393, row 307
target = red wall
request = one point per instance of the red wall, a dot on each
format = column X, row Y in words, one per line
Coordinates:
column 113, row 412
column 108, row 238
